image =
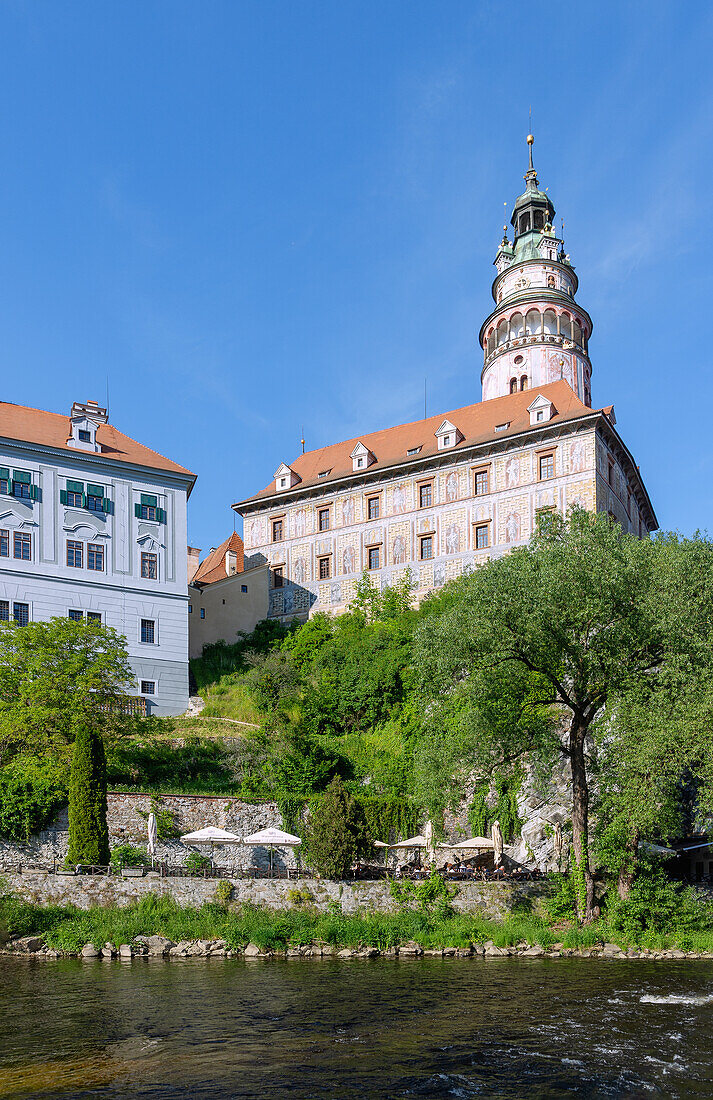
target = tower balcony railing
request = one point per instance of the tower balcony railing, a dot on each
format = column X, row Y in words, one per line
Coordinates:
column 536, row 338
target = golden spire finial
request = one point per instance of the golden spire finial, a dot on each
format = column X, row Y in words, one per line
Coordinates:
column 531, row 141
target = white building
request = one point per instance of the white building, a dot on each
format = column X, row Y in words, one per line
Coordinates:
column 93, row 524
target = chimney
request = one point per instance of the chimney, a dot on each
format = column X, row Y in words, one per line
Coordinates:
column 194, row 558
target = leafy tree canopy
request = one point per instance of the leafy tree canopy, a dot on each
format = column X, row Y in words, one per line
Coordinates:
column 56, row 678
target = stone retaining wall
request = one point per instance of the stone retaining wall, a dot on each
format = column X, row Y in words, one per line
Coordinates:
column 488, row 899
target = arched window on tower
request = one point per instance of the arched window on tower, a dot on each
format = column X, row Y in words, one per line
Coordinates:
column 516, row 326
column 577, row 333
column 566, row 326
column 524, row 223
column 539, row 219
column 513, row 385
column 523, row 382
column 533, row 323
column 491, row 341
column 502, row 333
column 550, row 322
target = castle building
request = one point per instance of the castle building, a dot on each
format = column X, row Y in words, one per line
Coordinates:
column 93, row 527
column 223, row 599
column 439, row 496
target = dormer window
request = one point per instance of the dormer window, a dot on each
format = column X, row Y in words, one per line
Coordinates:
column 84, row 419
column 447, row 435
column 413, row 451
column 541, row 410
column 502, row 427
column 285, row 478
column 361, row 457
column 324, row 473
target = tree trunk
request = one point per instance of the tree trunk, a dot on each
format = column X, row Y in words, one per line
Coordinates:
column 627, row 871
column 580, row 819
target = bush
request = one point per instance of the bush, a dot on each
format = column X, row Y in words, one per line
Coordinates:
column 563, row 906
column 31, row 792
column 88, row 832
column 195, row 863
column 224, row 892
column 336, row 835
column 656, row 905
column 127, row 855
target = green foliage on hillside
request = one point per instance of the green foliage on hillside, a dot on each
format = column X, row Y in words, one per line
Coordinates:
column 336, row 834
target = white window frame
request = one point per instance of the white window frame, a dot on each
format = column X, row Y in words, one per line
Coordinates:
column 154, row 619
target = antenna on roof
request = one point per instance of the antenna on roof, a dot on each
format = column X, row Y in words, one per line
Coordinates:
column 425, row 407
column 107, row 396
column 302, row 441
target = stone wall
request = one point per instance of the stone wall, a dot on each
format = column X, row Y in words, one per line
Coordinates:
column 540, row 807
column 488, row 899
column 190, row 812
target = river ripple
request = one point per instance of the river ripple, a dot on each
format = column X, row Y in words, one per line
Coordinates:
column 307, row 1029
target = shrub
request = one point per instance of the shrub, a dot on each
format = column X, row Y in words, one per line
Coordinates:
column 88, row 832
column 563, row 906
column 127, row 855
column 31, row 792
column 195, row 863
column 336, row 835
column 656, row 905
column 224, row 892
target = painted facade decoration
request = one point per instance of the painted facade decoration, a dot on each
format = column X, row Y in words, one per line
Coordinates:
column 448, row 499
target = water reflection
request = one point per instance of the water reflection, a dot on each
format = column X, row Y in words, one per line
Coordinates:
column 355, row 1029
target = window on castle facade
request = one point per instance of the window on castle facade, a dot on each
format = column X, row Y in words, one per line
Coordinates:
column 372, row 508
column 482, row 536
column 373, row 558
column 277, row 530
column 95, row 557
column 481, row 482
column 4, row 544
column 149, row 566
column 513, row 385
column 547, row 467
column 425, row 495
column 324, row 569
column 21, row 546
column 323, row 519
column 427, row 548
column 278, row 576
column 75, row 554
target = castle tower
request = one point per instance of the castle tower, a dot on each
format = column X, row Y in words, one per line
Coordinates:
column 537, row 332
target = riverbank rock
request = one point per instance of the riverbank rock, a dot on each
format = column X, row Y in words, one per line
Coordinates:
column 534, row 952
column 252, row 951
column 155, row 945
column 28, row 945
column 108, row 951
column 612, row 951
column 493, row 952
column 126, row 951
column 89, row 951
column 410, row 948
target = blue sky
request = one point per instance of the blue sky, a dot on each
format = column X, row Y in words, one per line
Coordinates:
column 258, row 218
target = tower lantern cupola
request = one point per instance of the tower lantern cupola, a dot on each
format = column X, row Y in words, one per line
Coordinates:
column 537, row 332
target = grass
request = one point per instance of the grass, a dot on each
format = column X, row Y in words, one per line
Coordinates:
column 67, row 929
column 228, row 697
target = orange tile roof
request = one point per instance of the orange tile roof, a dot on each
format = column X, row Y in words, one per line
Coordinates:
column 52, row 430
column 213, row 567
column 476, row 423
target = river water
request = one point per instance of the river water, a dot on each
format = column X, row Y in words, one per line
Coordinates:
column 308, row 1029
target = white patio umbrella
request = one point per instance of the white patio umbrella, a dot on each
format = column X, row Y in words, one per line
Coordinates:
column 272, row 838
column 472, row 844
column 430, row 841
column 497, row 837
column 412, row 842
column 212, row 835
column 152, row 830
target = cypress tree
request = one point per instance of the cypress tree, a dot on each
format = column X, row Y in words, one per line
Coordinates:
column 88, row 832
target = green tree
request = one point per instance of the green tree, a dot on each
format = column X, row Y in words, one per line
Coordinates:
column 336, row 834
column 88, row 832
column 57, row 678
column 580, row 618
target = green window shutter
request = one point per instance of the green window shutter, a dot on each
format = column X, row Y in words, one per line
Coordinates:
column 84, row 500
column 149, row 501
column 95, row 490
column 161, row 515
column 22, row 475
column 137, row 511
column 35, row 492
column 106, row 505
column 63, row 496
column 75, row 486
column 4, row 473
